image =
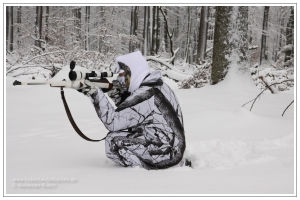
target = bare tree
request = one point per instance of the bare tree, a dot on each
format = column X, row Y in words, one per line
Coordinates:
column 47, row 24
column 166, row 30
column 202, row 34
column 7, row 26
column 133, row 26
column 39, row 26
column 157, row 31
column 242, row 26
column 10, row 27
column 77, row 23
column 263, row 52
column 187, row 45
column 146, row 29
column 19, row 22
column 87, row 28
column 290, row 37
column 149, row 29
column 170, row 34
column 281, row 22
column 102, row 24
column 154, row 30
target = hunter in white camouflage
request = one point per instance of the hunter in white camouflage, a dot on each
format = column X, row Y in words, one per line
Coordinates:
column 147, row 128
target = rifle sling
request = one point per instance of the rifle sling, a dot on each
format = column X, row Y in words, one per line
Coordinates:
column 72, row 120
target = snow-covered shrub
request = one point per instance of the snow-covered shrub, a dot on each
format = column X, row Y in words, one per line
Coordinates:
column 200, row 78
column 53, row 58
column 268, row 76
column 281, row 63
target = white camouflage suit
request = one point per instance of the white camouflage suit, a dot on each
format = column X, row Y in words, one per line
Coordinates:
column 147, row 128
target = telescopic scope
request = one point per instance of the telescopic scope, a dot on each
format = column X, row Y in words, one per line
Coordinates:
column 77, row 75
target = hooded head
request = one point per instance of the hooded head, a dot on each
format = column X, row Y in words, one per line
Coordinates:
column 135, row 66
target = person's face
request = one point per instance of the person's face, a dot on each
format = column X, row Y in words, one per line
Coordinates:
column 127, row 73
column 127, row 81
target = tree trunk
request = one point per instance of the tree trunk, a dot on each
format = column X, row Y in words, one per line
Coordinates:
column 243, row 33
column 131, row 27
column 276, row 45
column 221, row 45
column 208, row 9
column 188, row 35
column 77, row 24
column 10, row 28
column 282, row 15
column 211, row 27
column 170, row 35
column 290, row 37
column 202, row 34
column 165, row 31
column 154, row 30
column 136, row 24
column 7, row 27
column 263, row 52
column 102, row 21
column 157, row 31
column 79, row 11
column 149, row 30
column 47, row 24
column 39, row 26
column 177, row 29
column 146, row 29
column 19, row 21
column 87, row 27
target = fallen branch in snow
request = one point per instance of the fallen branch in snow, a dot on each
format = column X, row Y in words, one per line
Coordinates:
column 287, row 107
column 268, row 76
column 208, row 50
column 166, row 63
column 265, row 81
column 268, row 87
column 172, row 72
column 253, row 47
column 198, row 79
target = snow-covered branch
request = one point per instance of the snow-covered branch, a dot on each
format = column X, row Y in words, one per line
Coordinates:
column 165, row 63
column 199, row 78
column 287, row 107
column 267, row 87
column 48, row 67
column 44, row 54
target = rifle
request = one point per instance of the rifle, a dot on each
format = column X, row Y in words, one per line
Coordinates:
column 77, row 79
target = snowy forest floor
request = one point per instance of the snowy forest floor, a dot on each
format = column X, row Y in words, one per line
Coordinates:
column 233, row 151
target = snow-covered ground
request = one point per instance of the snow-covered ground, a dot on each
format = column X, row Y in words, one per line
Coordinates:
column 233, row 151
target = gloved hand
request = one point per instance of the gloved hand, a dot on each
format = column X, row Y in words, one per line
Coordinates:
column 86, row 87
column 115, row 95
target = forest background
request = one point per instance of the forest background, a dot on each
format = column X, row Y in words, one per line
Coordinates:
column 193, row 45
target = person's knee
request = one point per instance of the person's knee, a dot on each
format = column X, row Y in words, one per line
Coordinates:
column 111, row 144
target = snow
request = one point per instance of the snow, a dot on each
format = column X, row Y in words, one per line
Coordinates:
column 233, row 151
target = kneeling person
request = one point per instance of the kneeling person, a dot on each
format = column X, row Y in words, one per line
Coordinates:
column 146, row 129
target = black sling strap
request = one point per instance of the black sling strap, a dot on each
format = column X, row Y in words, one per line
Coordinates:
column 72, row 120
